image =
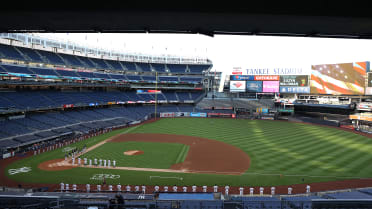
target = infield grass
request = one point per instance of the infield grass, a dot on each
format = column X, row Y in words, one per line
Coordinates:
column 281, row 153
column 156, row 155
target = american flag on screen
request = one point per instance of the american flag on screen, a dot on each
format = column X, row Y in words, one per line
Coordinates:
column 346, row 78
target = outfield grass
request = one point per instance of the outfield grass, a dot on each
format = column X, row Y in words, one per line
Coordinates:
column 156, row 155
column 281, row 153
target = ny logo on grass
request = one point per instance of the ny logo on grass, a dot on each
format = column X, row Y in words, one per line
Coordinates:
column 19, row 170
column 106, row 176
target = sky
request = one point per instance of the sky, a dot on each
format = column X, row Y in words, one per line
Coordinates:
column 229, row 51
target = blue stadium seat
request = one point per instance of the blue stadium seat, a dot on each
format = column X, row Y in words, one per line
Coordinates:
column 176, row 68
column 10, row 52
column 158, row 67
column 32, row 54
column 43, row 71
column 191, row 79
column 115, row 65
column 348, row 195
column 119, row 77
column 52, row 58
column 149, row 78
column 134, row 77
column 130, row 66
column 100, row 63
column 73, row 60
column 17, row 69
column 67, row 73
column 87, row 61
column 168, row 79
column 198, row 69
column 144, row 66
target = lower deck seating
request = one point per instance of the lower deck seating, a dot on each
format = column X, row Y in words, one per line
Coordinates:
column 36, row 126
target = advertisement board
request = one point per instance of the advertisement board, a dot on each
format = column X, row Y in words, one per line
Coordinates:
column 295, row 89
column 167, row 114
column 220, row 115
column 148, row 91
column 270, row 86
column 241, row 77
column 266, row 77
column 237, row 86
column 364, row 106
column 182, row 114
column 338, row 79
column 294, row 80
column 254, row 86
column 68, row 105
column 198, row 114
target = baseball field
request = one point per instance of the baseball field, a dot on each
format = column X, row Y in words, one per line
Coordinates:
column 188, row 151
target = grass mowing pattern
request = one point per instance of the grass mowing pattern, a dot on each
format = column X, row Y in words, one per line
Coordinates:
column 281, row 147
column 183, row 154
column 298, row 151
column 156, row 155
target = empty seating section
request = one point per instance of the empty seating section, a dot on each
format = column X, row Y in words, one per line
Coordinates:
column 52, row 58
column 30, row 53
column 170, row 96
column 10, row 52
column 130, row 66
column 41, row 56
column 13, row 128
column 102, row 76
column 86, row 74
column 67, row 73
column 134, row 77
column 158, row 67
column 195, row 96
column 144, row 67
column 183, row 96
column 149, row 78
column 8, row 143
column 118, row 77
column 158, row 97
column 174, row 68
column 43, row 71
column 168, row 78
column 72, row 60
column 26, row 99
column 299, row 201
column 55, row 99
column 87, row 62
column 191, row 79
column 16, row 69
column 39, row 125
column 198, row 69
column 100, row 63
column 115, row 65
column 348, row 195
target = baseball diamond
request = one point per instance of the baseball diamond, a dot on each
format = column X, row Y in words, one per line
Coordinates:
column 221, row 151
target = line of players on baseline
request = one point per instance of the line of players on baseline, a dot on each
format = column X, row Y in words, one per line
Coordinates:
column 165, row 189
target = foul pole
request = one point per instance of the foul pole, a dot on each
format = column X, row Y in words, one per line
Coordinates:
column 156, row 93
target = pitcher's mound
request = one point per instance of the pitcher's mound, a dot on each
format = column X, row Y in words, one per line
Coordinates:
column 133, row 152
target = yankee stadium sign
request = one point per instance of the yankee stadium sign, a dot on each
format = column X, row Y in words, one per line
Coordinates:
column 275, row 71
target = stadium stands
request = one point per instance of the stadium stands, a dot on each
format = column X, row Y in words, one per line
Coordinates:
column 348, row 195
column 42, row 125
column 10, row 52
